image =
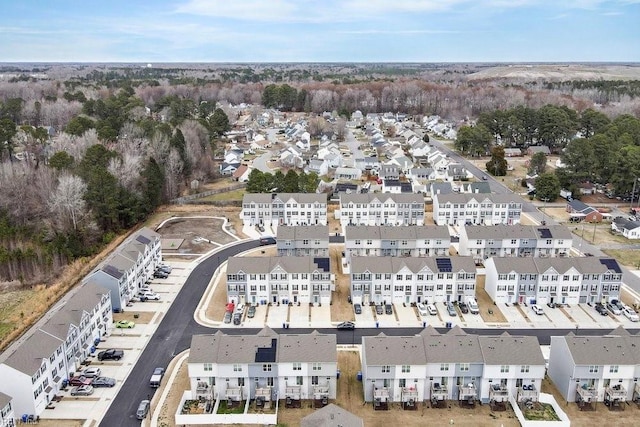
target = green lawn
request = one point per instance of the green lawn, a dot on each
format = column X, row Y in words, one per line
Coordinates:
column 222, row 409
column 230, row 195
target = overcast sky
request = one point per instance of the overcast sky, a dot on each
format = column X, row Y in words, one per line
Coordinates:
column 319, row 31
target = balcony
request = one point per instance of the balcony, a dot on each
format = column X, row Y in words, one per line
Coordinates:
column 292, row 394
column 263, row 397
column 498, row 397
column 439, row 395
column 528, row 393
column 234, row 394
column 467, row 395
column 380, row 398
column 586, row 397
column 409, row 397
column 321, row 395
column 615, row 396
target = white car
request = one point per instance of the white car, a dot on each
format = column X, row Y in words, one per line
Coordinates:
column 422, row 309
column 149, row 296
column 537, row 310
column 239, row 308
column 631, row 314
column 431, row 308
column 473, row 306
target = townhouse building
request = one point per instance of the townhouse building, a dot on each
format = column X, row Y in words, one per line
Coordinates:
column 454, row 366
column 310, row 240
column 553, row 280
column 409, row 241
column 485, row 241
column 262, row 280
column 35, row 370
column 476, row 209
column 381, row 209
column 128, row 267
column 7, row 414
column 284, row 209
column 386, row 280
column 266, row 366
column 588, row 369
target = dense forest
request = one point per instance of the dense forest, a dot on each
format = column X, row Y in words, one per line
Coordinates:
column 87, row 151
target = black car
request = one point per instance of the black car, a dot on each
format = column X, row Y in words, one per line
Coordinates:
column 379, row 309
column 237, row 318
column 357, row 308
column 267, row 241
column 463, row 307
column 346, row 325
column 103, row 382
column 159, row 274
column 600, row 308
column 388, row 309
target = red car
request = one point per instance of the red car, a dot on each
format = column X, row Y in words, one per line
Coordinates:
column 81, row 380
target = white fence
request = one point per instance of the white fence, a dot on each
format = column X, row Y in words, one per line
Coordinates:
column 542, row 398
column 213, row 418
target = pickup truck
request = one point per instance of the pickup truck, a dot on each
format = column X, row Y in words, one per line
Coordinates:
column 156, row 378
column 111, row 354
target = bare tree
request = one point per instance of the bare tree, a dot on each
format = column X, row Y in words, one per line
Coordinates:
column 126, row 168
column 172, row 170
column 67, row 203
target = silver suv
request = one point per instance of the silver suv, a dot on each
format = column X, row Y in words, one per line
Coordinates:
column 143, row 410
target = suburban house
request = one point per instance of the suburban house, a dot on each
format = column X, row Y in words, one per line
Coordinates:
column 629, row 229
column 389, row 172
column 262, row 280
column 580, row 211
column 533, row 149
column 392, row 280
column 241, row 174
column 395, row 186
column 381, row 209
column 512, row 152
column 7, row 415
column 475, row 187
column 440, row 188
column 482, row 209
column 590, row 369
column 312, row 240
column 265, row 366
column 382, row 240
column 331, row 416
column 431, row 366
column 319, row 166
column 128, row 267
column 348, row 173
column 485, row 241
column 35, row 370
column 455, row 172
column 552, row 280
column 284, row 209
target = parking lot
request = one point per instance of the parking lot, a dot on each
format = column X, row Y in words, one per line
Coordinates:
column 131, row 341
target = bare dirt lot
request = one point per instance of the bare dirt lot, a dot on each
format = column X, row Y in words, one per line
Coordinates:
column 489, row 312
column 341, row 309
column 231, row 213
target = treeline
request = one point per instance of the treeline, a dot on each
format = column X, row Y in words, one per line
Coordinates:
column 291, row 182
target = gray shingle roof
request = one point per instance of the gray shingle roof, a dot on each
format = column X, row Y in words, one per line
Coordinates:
column 312, row 347
column 584, row 265
column 605, row 350
column 331, row 416
column 415, row 264
column 458, row 198
column 284, row 197
column 500, row 232
column 27, row 358
column 452, row 348
column 394, row 350
column 511, row 350
column 409, row 232
column 263, row 265
column 381, row 197
column 293, row 232
column 5, row 399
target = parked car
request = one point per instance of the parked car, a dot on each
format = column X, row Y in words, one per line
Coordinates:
column 111, row 354
column 601, row 309
column 156, row 377
column 357, row 308
column 80, row 380
column 251, row 312
column 125, row 324
column 237, row 318
column 614, row 309
column 618, row 304
column 264, row 241
column 473, row 306
column 388, row 309
column 158, row 274
column 103, row 382
column 463, row 307
column 630, row 314
column 379, row 309
column 149, row 296
column 537, row 310
column 143, row 410
column 432, row 310
column 451, row 309
column 227, row 317
column 422, row 309
column 163, row 267
column 346, row 325
column 260, row 228
column 239, row 308
column 83, row 390
column 92, row 372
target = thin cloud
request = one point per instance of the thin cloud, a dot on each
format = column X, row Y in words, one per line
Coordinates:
column 399, row 32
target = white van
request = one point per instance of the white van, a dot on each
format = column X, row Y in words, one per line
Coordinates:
column 473, row 306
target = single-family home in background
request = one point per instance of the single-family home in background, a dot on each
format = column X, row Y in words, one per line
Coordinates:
column 580, row 211
column 629, row 229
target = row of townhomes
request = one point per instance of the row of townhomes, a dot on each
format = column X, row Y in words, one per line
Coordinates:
column 553, row 280
column 7, row 414
column 453, row 366
column 479, row 209
column 34, row 370
column 407, row 241
column 588, row 369
column 266, row 366
column 284, row 209
column 286, row 279
column 311, row 240
column 128, row 267
column 485, row 241
column 381, row 209
column 38, row 367
column 386, row 280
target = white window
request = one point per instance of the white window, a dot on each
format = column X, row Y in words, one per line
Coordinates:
column 406, row 369
column 386, row 368
column 444, row 366
column 613, row 369
column 504, row 368
column 208, row 367
column 524, row 368
column 297, row 366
